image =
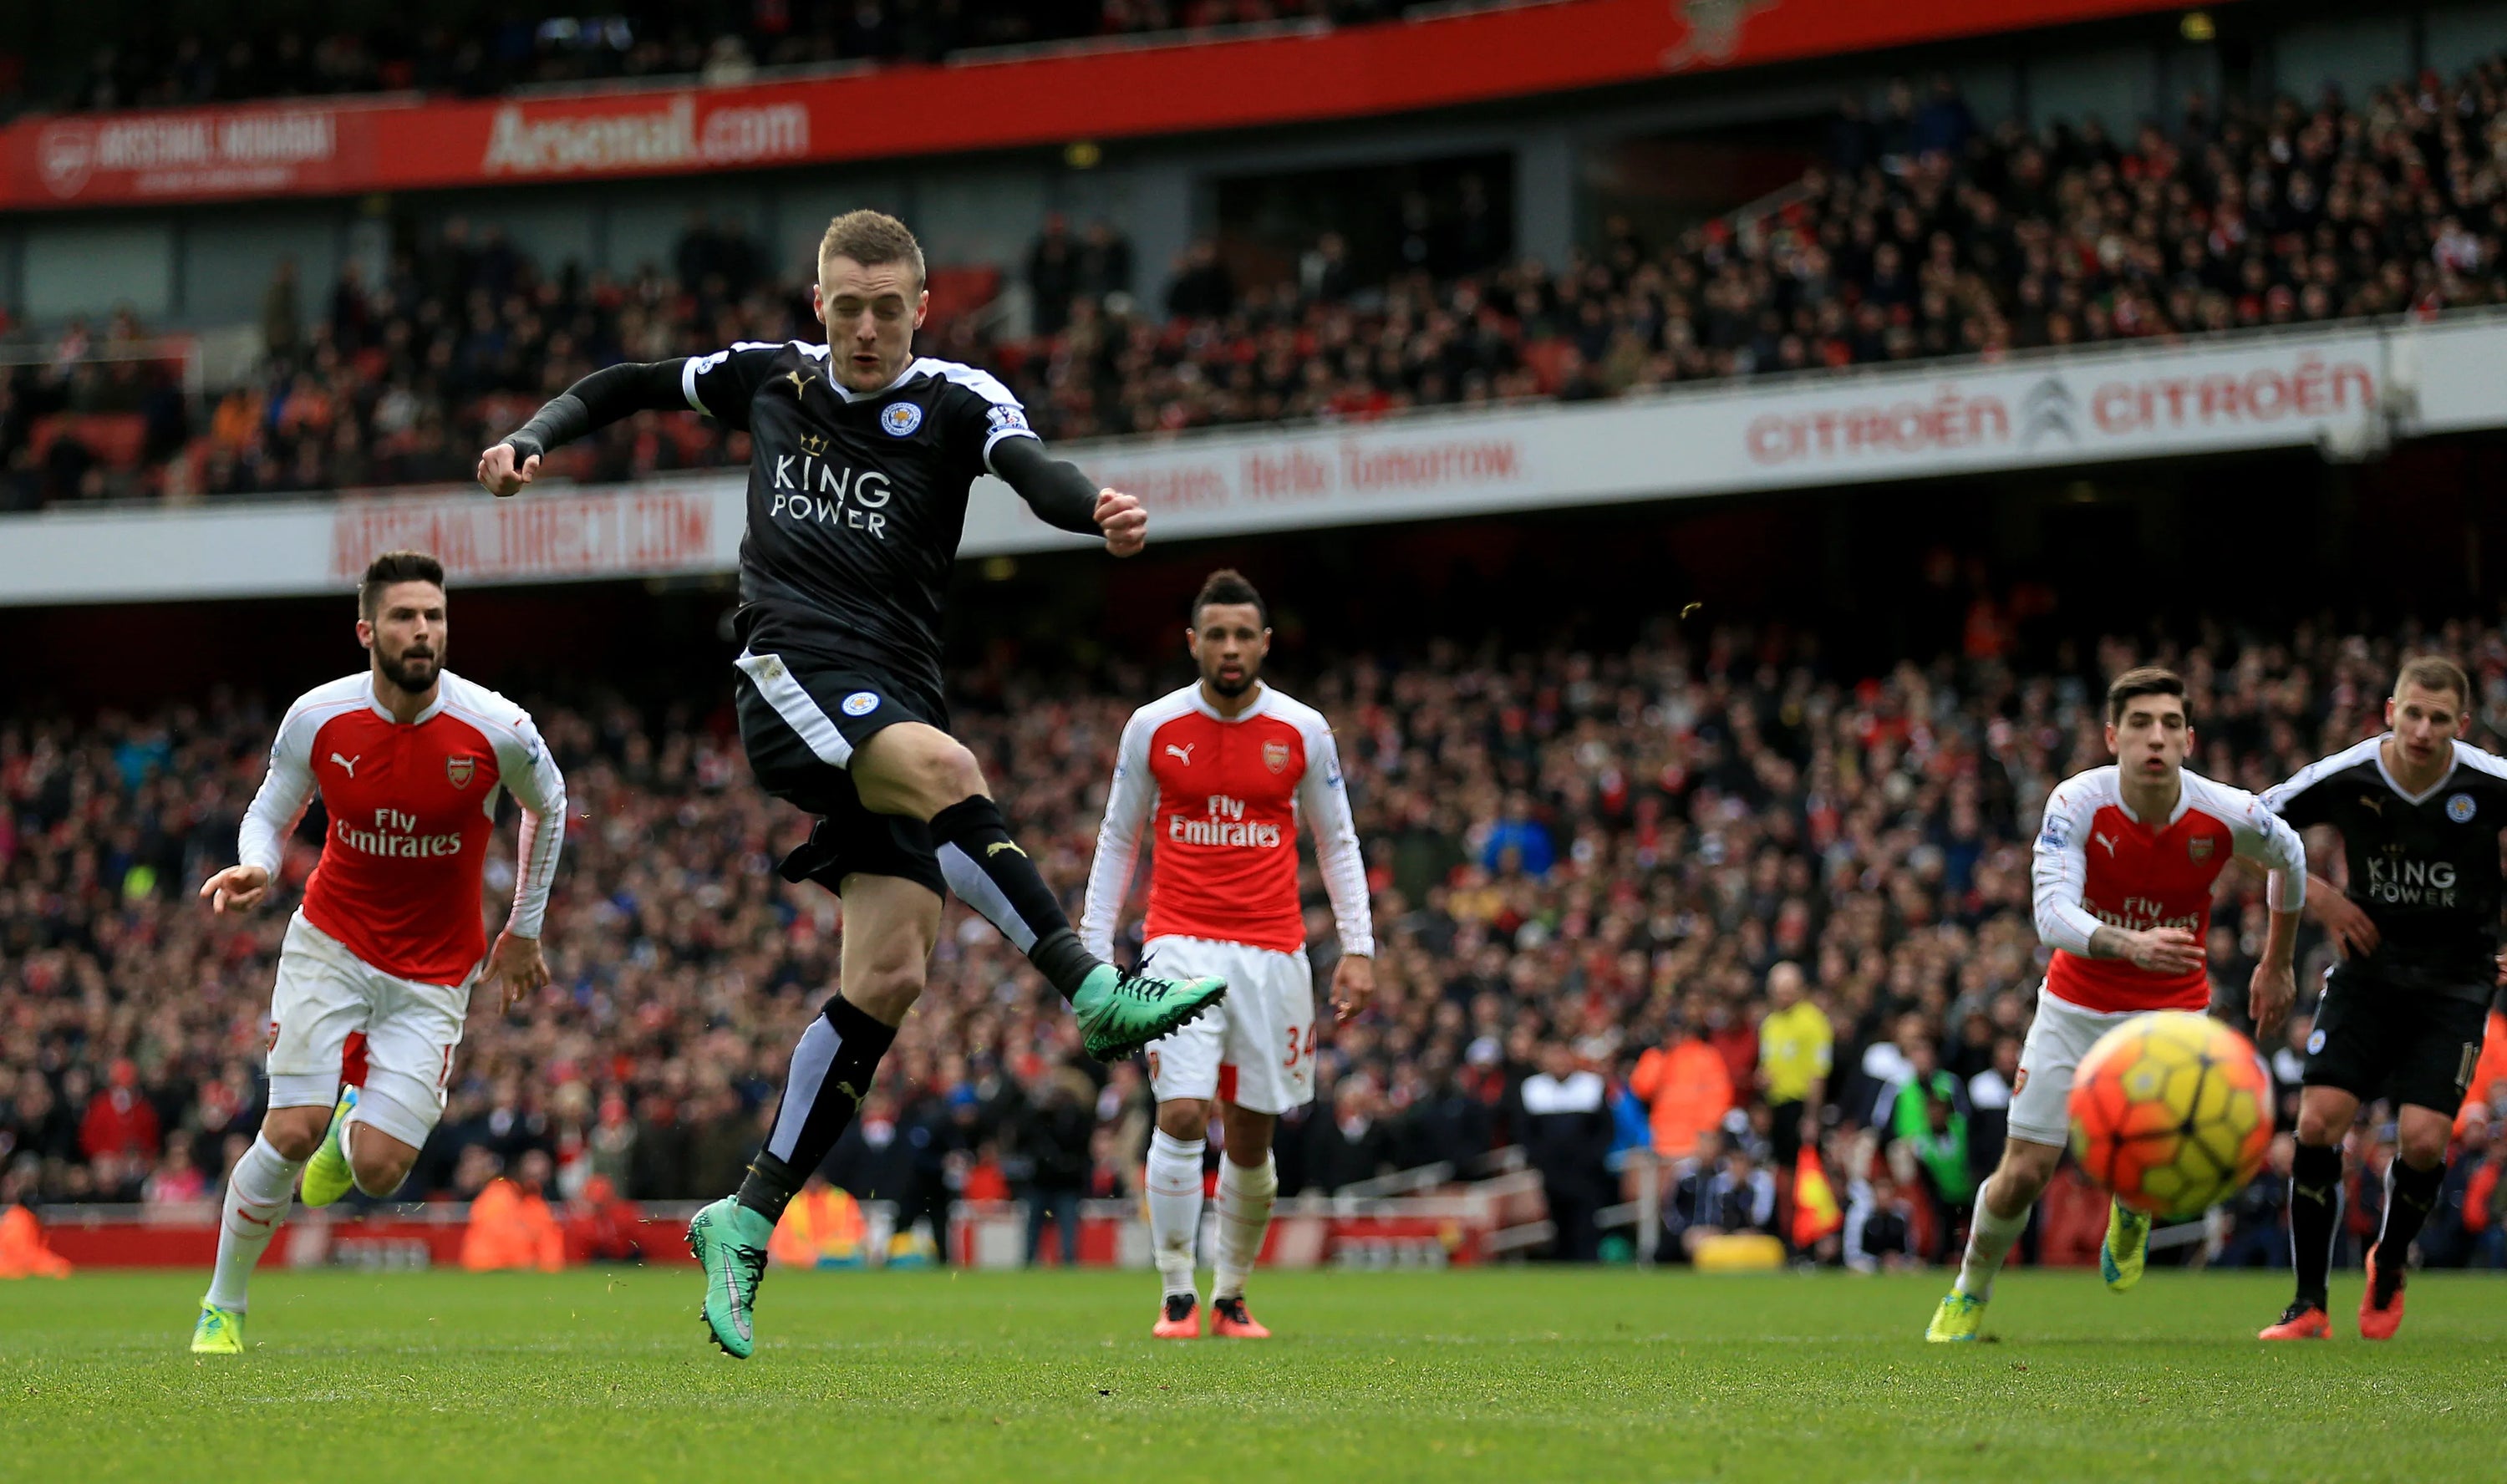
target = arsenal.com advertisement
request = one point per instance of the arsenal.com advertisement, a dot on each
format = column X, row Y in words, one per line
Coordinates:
column 403, row 143
column 2089, row 407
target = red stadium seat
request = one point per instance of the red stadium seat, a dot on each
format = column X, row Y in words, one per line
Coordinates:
column 112, row 437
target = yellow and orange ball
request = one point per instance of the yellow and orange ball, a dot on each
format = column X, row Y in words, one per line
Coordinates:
column 2171, row 1112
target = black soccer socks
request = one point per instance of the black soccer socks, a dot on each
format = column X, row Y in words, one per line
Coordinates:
column 2314, row 1198
column 2410, row 1196
column 831, row 1070
column 988, row 872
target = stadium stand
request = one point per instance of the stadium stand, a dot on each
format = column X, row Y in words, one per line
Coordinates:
column 1921, row 236
column 1580, row 859
column 158, row 67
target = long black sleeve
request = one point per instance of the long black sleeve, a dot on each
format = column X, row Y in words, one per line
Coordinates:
column 599, row 400
column 1053, row 488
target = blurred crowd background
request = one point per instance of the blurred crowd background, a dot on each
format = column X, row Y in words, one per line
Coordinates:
column 1920, row 235
column 1593, row 867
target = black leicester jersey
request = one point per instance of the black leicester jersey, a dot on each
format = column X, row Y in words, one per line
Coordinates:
column 2424, row 868
column 856, row 499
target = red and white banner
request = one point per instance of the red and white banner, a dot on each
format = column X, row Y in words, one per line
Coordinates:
column 2344, row 390
column 335, row 147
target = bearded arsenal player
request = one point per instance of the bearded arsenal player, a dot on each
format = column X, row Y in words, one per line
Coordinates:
column 409, row 759
column 2125, row 865
column 2419, row 812
column 1219, row 775
column 861, row 457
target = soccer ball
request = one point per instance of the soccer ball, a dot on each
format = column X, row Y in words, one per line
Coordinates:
column 2171, row 1111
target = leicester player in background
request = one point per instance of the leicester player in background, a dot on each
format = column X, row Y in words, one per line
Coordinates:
column 864, row 455
column 2418, row 811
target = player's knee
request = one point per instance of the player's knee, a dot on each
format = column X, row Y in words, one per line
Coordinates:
column 394, row 1115
column 1249, row 1135
column 379, row 1174
column 2424, row 1148
column 2024, row 1175
column 886, row 989
column 946, row 773
column 1184, row 1118
column 296, row 1132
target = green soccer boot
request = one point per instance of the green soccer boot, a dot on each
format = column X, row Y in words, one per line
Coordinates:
column 2127, row 1246
column 327, row 1175
column 1120, row 1011
column 1956, row 1320
column 729, row 1241
column 218, row 1331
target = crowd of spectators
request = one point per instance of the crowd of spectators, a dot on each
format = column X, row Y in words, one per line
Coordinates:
column 1922, row 235
column 1594, row 876
column 151, row 65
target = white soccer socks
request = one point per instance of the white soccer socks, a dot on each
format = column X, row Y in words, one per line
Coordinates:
column 1174, row 1181
column 1245, row 1197
column 1989, row 1241
column 258, row 1194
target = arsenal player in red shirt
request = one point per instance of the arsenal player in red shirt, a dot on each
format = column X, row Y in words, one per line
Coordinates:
column 1217, row 774
column 409, row 759
column 2124, row 864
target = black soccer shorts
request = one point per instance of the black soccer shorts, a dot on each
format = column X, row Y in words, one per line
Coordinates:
column 801, row 721
column 2373, row 1040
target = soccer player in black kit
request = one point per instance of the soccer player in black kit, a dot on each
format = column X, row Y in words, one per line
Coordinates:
column 2419, row 814
column 862, row 457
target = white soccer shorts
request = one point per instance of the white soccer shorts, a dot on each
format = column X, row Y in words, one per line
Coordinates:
column 324, row 992
column 1255, row 1048
column 2041, row 1109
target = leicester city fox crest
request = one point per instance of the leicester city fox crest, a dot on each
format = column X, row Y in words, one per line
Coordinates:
column 900, row 418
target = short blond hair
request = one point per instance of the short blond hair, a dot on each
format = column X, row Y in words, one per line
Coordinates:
column 2435, row 673
column 870, row 239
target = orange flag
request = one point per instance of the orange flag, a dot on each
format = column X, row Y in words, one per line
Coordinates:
column 1816, row 1213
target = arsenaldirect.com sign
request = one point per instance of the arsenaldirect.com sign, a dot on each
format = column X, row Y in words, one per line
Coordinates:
column 312, row 148
column 1305, row 73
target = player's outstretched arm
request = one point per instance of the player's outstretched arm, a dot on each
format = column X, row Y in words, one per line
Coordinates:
column 1066, row 499
column 594, row 402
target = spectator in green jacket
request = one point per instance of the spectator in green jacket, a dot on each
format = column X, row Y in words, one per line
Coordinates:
column 1928, row 1143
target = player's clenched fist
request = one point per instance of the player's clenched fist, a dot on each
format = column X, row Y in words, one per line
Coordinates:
column 502, row 475
column 240, row 888
column 1125, row 524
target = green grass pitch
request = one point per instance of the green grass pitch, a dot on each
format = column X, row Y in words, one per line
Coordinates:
column 1500, row 1374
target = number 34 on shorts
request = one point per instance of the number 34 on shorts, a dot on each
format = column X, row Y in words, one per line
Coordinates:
column 1255, row 1048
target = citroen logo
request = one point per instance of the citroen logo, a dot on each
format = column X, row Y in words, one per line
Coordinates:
column 2046, row 410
